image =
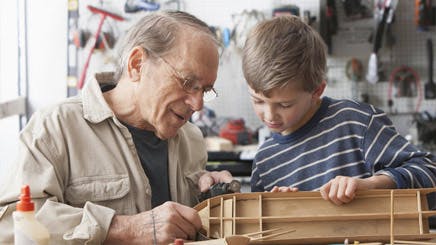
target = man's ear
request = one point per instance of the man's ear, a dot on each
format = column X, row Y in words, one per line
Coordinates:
column 136, row 59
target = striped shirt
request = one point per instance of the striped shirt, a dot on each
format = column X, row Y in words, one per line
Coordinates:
column 344, row 138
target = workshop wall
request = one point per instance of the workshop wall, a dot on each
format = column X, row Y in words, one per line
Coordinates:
column 409, row 49
column 48, row 59
column 233, row 99
column 350, row 42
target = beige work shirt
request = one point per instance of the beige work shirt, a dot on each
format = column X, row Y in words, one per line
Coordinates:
column 82, row 167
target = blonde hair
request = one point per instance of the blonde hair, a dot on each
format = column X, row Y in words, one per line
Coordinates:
column 283, row 50
column 158, row 34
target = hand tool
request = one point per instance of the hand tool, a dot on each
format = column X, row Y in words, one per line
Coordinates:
column 430, row 87
column 133, row 6
column 328, row 23
column 388, row 9
column 103, row 15
column 424, row 14
column 354, row 69
column 408, row 84
column 220, row 189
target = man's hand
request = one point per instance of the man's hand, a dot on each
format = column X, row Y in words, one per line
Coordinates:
column 210, row 178
column 161, row 225
column 342, row 189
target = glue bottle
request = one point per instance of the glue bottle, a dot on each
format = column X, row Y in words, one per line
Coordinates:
column 27, row 230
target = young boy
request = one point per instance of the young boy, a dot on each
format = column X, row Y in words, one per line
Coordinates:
column 320, row 143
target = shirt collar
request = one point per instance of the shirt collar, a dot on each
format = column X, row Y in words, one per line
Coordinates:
column 95, row 107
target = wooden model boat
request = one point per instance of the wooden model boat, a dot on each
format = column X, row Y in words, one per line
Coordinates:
column 306, row 218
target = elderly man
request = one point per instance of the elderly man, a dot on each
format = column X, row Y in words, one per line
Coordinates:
column 121, row 164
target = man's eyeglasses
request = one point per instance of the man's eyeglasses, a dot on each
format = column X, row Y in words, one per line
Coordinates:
column 190, row 86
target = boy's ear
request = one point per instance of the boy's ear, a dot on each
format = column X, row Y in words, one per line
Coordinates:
column 320, row 89
column 136, row 59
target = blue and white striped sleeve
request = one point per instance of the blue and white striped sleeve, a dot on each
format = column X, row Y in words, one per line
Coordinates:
column 255, row 181
column 391, row 154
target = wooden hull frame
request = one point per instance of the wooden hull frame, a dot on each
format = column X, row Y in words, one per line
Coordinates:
column 373, row 216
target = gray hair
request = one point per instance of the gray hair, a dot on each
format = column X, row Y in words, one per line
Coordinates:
column 158, row 33
column 283, row 50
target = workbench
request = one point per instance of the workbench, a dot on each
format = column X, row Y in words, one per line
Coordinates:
column 230, row 161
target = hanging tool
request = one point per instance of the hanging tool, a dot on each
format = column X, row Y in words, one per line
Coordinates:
column 426, row 125
column 308, row 18
column 424, row 14
column 328, row 23
column 387, row 15
column 407, row 83
column 355, row 9
column 133, row 6
column 354, row 69
column 430, row 87
column 103, row 15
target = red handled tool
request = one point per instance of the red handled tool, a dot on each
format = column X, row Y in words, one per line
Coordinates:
column 103, row 15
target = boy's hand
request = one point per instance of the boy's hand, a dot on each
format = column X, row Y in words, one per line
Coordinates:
column 284, row 189
column 342, row 189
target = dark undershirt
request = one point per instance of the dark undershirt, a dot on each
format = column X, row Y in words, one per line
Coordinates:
column 153, row 153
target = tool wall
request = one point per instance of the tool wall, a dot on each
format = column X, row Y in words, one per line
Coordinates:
column 405, row 88
column 402, row 53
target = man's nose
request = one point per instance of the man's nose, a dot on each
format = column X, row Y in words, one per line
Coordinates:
column 195, row 101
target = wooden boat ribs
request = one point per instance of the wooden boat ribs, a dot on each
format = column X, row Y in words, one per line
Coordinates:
column 304, row 217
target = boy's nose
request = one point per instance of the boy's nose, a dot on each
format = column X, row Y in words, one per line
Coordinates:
column 269, row 113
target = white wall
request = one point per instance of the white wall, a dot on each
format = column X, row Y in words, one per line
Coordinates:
column 8, row 79
column 47, row 42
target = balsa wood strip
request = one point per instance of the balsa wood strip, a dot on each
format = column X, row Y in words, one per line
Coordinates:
column 208, row 207
column 260, row 214
column 227, row 218
column 428, row 213
column 418, row 197
column 272, row 235
column 261, row 232
column 414, row 242
column 392, row 218
column 221, row 217
column 234, row 215
column 343, row 217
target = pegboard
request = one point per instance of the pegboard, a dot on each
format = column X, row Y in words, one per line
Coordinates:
column 81, row 35
column 233, row 100
column 409, row 49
